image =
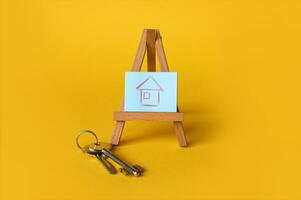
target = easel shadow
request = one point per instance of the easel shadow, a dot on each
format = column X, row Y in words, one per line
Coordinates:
column 200, row 126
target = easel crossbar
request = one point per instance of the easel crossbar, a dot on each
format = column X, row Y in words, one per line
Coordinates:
column 148, row 116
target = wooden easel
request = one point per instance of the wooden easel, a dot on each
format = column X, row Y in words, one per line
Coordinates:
column 151, row 42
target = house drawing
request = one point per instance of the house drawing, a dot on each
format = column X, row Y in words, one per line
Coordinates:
column 149, row 90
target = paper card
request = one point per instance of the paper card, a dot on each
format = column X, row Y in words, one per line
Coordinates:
column 150, row 92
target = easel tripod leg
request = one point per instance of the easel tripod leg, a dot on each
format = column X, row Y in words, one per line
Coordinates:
column 180, row 134
column 117, row 132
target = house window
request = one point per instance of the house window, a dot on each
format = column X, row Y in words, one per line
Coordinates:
column 146, row 95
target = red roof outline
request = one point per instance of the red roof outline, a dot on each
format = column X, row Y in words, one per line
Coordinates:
column 152, row 78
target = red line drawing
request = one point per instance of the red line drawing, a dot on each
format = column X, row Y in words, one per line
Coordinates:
column 149, row 92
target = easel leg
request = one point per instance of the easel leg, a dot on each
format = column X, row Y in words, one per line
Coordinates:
column 180, row 133
column 117, row 132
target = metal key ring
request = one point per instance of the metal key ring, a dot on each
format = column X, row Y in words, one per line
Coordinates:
column 86, row 132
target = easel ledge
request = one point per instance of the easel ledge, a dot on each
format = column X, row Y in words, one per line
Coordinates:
column 148, row 116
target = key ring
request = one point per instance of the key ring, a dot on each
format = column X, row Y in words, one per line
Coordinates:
column 86, row 132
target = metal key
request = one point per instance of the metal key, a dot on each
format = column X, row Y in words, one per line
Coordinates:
column 126, row 169
column 102, row 152
column 101, row 157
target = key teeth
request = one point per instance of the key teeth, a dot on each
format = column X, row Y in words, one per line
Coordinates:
column 135, row 173
column 138, row 167
column 124, row 171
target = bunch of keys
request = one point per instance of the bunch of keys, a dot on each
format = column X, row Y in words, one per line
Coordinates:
column 102, row 151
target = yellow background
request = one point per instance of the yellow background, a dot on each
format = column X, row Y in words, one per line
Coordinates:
column 62, row 70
